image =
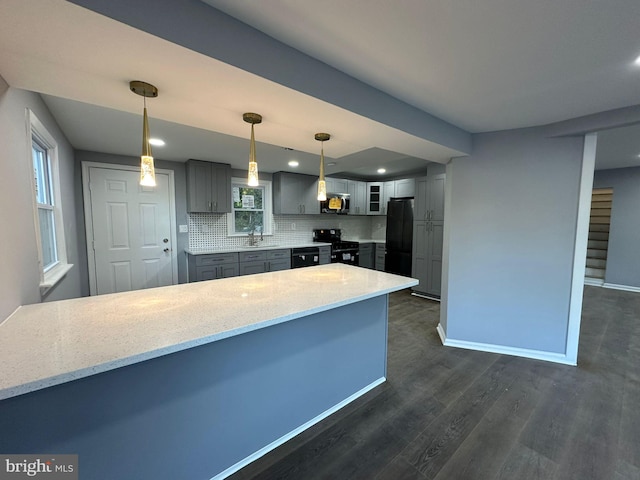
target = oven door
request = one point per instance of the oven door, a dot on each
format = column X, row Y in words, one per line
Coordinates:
column 305, row 257
column 349, row 256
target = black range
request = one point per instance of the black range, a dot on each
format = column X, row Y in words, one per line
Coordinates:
column 341, row 251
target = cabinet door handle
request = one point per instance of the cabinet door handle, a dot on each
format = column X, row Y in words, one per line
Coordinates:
column 209, row 206
column 215, row 206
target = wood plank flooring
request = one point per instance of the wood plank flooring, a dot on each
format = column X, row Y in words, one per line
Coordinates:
column 447, row 413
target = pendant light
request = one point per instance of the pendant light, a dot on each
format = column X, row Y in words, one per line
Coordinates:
column 322, row 184
column 252, row 178
column 147, row 170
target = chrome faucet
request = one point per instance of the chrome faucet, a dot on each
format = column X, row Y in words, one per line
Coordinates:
column 253, row 241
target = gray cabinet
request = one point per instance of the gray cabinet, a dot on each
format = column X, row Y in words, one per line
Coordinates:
column 404, row 188
column 357, row 197
column 380, row 256
column 428, row 227
column 375, row 198
column 294, row 193
column 388, row 191
column 208, row 187
column 324, row 253
column 261, row 261
column 278, row 260
column 337, row 185
column 212, row 267
column 397, row 189
column 366, row 253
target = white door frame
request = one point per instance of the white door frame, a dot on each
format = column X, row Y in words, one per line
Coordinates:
column 88, row 219
column 580, row 247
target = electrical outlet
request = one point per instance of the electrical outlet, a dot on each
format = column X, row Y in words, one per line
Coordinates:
column 183, row 229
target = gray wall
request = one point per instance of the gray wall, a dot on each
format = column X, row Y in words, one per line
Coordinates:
column 181, row 205
column 512, row 222
column 623, row 256
column 19, row 273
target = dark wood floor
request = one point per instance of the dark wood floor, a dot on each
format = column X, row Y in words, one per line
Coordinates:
column 447, row 413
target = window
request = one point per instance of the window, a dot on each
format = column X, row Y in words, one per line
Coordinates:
column 250, row 208
column 47, row 212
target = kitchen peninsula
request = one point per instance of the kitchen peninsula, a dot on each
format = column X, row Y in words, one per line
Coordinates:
column 193, row 380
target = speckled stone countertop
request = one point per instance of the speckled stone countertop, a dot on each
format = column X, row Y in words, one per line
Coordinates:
column 193, row 251
column 51, row 343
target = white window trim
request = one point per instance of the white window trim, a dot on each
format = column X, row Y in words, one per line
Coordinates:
column 55, row 273
column 268, row 202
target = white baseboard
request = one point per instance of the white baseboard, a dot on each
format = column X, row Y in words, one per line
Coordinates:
column 443, row 336
column 428, row 297
column 504, row 350
column 596, row 282
column 264, row 450
column 626, row 288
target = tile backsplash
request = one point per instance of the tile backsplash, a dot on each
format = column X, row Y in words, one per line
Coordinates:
column 209, row 230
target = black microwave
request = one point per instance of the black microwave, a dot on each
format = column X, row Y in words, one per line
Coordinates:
column 337, row 203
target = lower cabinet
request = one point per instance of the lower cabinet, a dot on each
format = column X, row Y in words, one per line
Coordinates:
column 264, row 261
column 380, row 256
column 233, row 264
column 212, row 267
column 366, row 253
column 324, row 252
column 427, row 257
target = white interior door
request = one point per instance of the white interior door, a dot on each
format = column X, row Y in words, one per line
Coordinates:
column 131, row 230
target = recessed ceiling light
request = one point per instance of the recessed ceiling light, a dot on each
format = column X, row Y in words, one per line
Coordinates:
column 157, row 142
column 637, row 62
column 293, row 163
column 381, row 170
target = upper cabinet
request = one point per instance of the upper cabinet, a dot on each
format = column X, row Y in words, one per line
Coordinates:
column 357, row 197
column 404, row 188
column 379, row 194
column 375, row 198
column 208, row 187
column 388, row 192
column 429, row 198
column 337, row 185
column 294, row 193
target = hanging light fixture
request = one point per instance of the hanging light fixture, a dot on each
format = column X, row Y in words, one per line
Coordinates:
column 252, row 178
column 322, row 185
column 147, row 170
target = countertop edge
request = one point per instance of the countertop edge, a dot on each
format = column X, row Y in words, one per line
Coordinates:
column 39, row 384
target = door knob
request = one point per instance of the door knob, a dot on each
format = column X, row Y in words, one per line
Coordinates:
column 165, row 240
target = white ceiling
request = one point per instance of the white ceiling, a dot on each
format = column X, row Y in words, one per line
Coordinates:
column 482, row 66
column 618, row 148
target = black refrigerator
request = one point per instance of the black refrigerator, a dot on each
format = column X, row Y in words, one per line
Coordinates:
column 399, row 236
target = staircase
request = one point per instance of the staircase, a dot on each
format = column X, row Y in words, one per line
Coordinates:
column 599, row 223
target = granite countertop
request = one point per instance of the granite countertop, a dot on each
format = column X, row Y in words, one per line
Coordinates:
column 51, row 343
column 202, row 251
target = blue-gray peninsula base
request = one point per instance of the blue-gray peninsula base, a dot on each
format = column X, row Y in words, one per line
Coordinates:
column 191, row 381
